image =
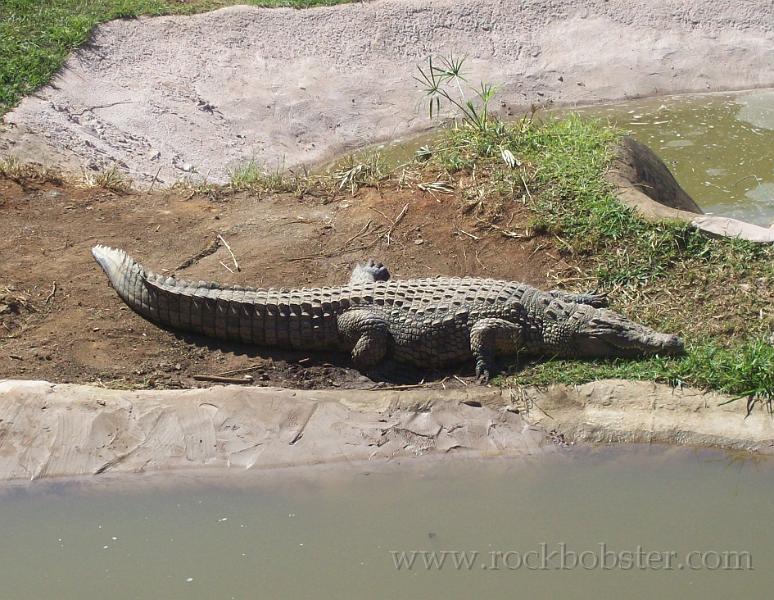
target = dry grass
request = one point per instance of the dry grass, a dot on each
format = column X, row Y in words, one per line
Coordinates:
column 108, row 179
column 21, row 171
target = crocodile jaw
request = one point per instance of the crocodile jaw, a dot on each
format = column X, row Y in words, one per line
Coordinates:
column 604, row 333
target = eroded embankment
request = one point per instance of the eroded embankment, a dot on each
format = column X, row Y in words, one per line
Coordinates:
column 49, row 430
column 181, row 96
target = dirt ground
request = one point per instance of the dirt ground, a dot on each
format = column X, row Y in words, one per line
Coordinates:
column 60, row 320
column 191, row 97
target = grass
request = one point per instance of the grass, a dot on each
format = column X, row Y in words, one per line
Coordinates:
column 363, row 169
column 13, row 168
column 717, row 293
column 251, row 177
column 37, row 35
column 109, row 179
column 744, row 369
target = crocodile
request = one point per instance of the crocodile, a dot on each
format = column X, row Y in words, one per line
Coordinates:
column 431, row 322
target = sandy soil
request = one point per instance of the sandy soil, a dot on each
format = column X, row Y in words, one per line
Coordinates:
column 83, row 333
column 171, row 95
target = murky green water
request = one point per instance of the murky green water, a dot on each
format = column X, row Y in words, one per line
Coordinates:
column 720, row 147
column 336, row 533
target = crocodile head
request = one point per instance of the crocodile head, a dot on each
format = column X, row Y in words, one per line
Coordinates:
column 604, row 333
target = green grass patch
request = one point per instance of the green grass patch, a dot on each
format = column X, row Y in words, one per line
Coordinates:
column 717, row 293
column 253, row 177
column 37, row 35
column 746, row 368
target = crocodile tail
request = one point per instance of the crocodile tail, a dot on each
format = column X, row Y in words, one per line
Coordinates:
column 231, row 313
column 127, row 277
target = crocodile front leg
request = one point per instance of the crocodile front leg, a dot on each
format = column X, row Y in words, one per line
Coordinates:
column 369, row 335
column 487, row 338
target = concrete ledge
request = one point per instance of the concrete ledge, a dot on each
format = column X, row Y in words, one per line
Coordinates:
column 49, row 430
column 617, row 411
column 728, row 227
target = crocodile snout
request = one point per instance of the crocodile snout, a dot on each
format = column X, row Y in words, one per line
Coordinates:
column 672, row 344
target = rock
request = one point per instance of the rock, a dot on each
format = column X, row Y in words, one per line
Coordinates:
column 728, row 227
column 639, row 167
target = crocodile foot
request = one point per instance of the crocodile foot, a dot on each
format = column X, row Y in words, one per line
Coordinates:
column 368, row 272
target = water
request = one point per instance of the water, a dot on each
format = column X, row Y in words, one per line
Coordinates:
column 719, row 147
column 329, row 532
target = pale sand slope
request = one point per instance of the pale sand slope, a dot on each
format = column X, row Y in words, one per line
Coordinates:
column 49, row 430
column 289, row 87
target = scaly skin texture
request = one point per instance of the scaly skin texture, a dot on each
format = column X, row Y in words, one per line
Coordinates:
column 427, row 322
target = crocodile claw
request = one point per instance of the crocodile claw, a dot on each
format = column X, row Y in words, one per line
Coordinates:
column 597, row 299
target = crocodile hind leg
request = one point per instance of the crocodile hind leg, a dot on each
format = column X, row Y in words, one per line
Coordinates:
column 488, row 337
column 368, row 272
column 591, row 298
column 369, row 335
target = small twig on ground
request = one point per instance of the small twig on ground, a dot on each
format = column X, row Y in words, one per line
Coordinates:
column 225, row 266
column 526, row 187
column 565, row 243
column 155, row 177
column 461, row 380
column 300, row 431
column 562, row 280
column 358, row 234
column 308, row 257
column 389, row 388
column 219, row 379
column 395, row 223
column 470, row 235
column 210, row 249
column 506, row 232
column 376, row 210
column 537, row 249
column 225, row 243
column 242, row 370
column 51, row 294
column 480, row 264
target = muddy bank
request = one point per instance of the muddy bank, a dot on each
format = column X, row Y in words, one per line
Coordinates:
column 192, row 96
column 49, row 430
